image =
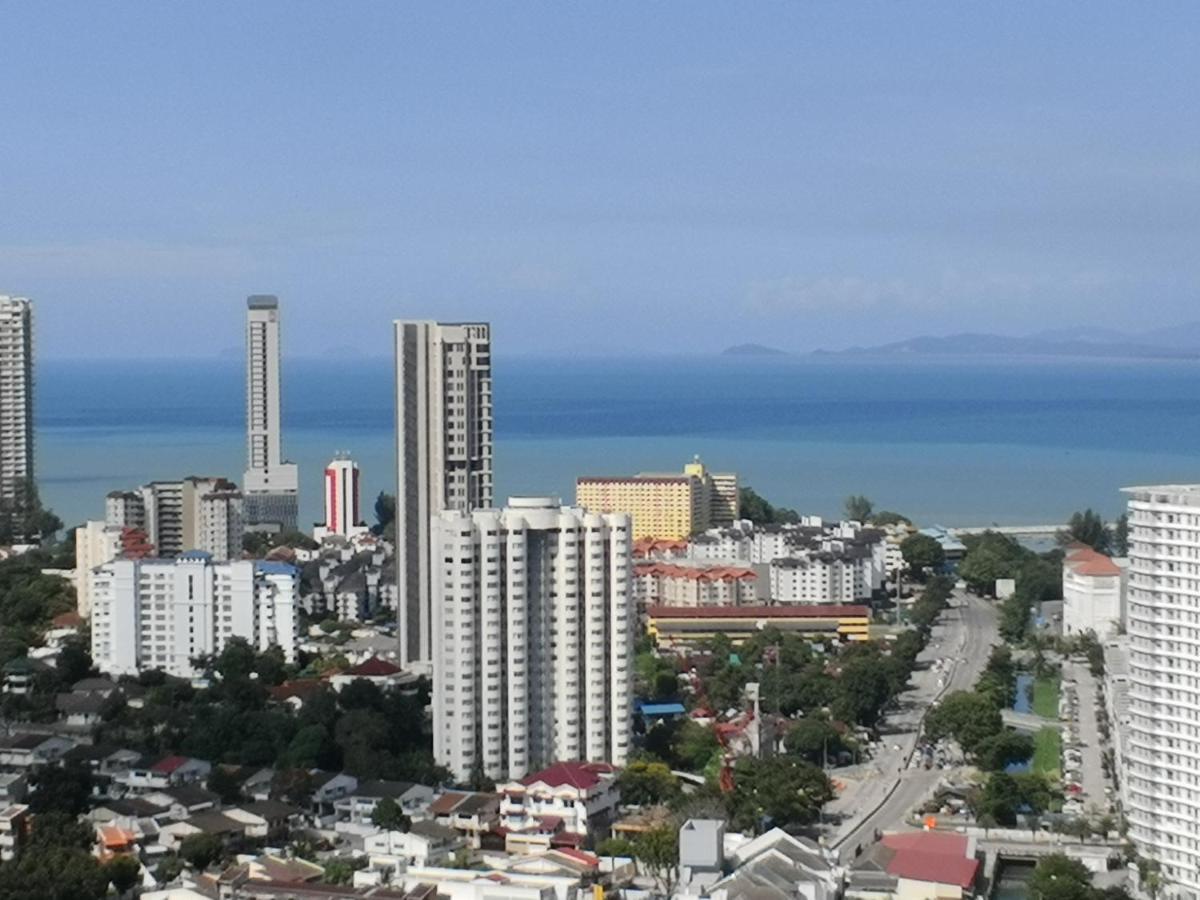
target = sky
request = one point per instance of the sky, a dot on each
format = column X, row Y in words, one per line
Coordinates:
column 596, row 178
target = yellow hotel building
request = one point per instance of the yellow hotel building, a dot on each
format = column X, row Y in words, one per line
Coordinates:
column 668, row 506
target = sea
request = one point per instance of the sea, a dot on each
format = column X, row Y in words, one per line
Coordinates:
column 957, row 442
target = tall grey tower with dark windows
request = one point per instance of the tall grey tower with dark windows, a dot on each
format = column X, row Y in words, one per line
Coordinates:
column 271, row 485
column 443, row 454
column 16, row 409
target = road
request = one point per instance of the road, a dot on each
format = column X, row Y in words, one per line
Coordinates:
column 964, row 634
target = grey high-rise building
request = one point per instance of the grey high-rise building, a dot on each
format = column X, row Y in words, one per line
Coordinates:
column 16, row 407
column 443, row 453
column 271, row 485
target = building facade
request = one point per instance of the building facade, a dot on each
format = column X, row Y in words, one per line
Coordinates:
column 676, row 584
column 443, row 454
column 1093, row 593
column 16, row 406
column 194, row 513
column 1162, row 750
column 665, row 506
column 167, row 613
column 533, row 638
column 271, row 484
column 343, row 513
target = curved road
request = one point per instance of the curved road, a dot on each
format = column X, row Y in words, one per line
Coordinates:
column 965, row 633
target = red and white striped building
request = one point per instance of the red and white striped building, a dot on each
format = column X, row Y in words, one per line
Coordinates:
column 343, row 514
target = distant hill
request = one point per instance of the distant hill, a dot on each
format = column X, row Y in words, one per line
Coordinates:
column 1182, row 342
column 753, row 350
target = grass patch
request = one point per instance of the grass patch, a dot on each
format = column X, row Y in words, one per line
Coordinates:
column 1047, row 752
column 1045, row 696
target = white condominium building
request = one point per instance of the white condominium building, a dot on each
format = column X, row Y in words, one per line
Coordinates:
column 191, row 514
column 1162, row 749
column 533, row 638
column 271, row 485
column 166, row 613
column 16, row 403
column 343, row 515
column 443, row 453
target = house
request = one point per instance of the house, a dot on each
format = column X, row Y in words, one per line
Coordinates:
column 171, row 771
column 264, row 817
column 424, row 844
column 14, row 825
column 777, row 864
column 359, row 806
column 559, row 806
column 326, row 788
column 213, row 823
column 257, row 786
column 80, row 710
column 21, row 673
column 297, row 692
column 13, row 787
column 102, row 687
column 471, row 813
column 378, row 671
column 24, row 751
column 184, row 801
column 113, row 840
column 929, row 864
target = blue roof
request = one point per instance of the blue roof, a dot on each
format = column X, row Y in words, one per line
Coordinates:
column 195, row 554
column 661, row 709
column 271, row 567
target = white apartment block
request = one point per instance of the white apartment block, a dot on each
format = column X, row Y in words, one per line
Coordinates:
column 343, row 515
column 1162, row 749
column 697, row 584
column 1093, row 593
column 443, row 453
column 95, row 543
column 271, row 484
column 533, row 637
column 824, row 577
column 166, row 613
column 16, row 402
column 194, row 513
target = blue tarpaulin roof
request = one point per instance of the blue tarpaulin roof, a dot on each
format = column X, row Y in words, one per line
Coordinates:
column 661, row 709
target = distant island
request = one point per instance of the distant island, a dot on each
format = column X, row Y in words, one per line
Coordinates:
column 753, row 350
column 1181, row 342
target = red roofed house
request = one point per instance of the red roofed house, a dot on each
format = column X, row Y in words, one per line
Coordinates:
column 377, row 671
column 558, row 807
column 930, row 864
column 1093, row 592
column 170, row 771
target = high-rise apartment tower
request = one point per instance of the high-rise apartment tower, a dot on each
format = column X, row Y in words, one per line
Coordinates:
column 16, row 406
column 271, row 485
column 443, row 453
column 533, row 629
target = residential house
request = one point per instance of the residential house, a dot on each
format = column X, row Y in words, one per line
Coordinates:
column 14, row 824
column 211, row 822
column 777, row 864
column 24, row 751
column 424, row 844
column 379, row 672
column 264, row 818
column 184, row 801
column 80, row 710
column 559, row 806
column 146, row 775
column 471, row 813
column 13, row 787
column 359, row 806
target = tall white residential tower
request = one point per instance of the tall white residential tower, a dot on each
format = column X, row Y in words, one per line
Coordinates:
column 271, row 485
column 343, row 513
column 1162, row 749
column 16, row 403
column 532, row 637
column 443, row 453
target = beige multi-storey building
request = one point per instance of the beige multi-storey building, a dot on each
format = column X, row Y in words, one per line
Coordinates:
column 190, row 514
column 443, row 454
column 271, row 485
column 1162, row 747
column 533, row 638
column 665, row 506
column 16, row 406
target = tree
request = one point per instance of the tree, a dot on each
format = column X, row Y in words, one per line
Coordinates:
column 389, row 815
column 1088, row 528
column 814, row 740
column 201, row 850
column 616, row 846
column 647, row 783
column 858, row 508
column 1001, row 750
column 124, row 873
column 223, row 783
column 385, row 512
column 862, row 690
column 780, row 790
column 54, row 873
column 922, row 553
column 757, row 510
column 63, row 789
column 341, row 871
column 658, row 852
column 1059, row 877
column 968, row 717
column 1120, row 537
column 886, row 517
column 74, row 660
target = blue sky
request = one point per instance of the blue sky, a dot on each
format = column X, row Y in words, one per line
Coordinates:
column 617, row 177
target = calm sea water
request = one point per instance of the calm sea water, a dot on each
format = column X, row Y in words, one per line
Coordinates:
column 958, row 442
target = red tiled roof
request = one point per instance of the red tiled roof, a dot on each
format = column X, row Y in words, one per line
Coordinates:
column 374, row 668
column 933, row 856
column 549, row 823
column 694, row 573
column 168, row 765
column 70, row 619
column 581, row 856
column 445, row 804
column 302, row 688
column 581, row 775
column 785, row 611
column 567, row 839
column 1083, row 560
